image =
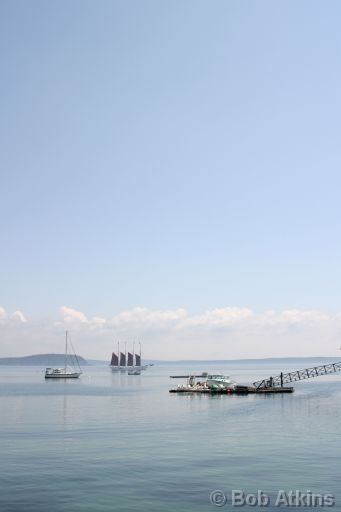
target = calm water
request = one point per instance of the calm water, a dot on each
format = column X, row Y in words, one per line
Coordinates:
column 117, row 442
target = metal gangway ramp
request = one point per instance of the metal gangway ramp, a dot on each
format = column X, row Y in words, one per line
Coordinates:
column 307, row 373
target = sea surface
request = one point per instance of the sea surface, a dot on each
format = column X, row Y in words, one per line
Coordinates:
column 113, row 442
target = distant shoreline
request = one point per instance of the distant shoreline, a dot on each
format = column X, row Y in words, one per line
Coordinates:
column 255, row 360
column 58, row 359
column 42, row 360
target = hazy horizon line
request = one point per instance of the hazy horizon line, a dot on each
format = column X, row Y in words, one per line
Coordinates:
column 177, row 360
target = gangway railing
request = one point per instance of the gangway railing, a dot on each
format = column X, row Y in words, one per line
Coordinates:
column 308, row 373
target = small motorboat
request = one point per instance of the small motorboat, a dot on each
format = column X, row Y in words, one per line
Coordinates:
column 134, row 372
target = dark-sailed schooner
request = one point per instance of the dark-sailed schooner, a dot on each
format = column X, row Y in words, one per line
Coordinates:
column 126, row 361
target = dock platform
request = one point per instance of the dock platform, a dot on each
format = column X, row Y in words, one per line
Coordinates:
column 238, row 390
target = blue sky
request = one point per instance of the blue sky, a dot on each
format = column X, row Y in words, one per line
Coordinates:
column 165, row 155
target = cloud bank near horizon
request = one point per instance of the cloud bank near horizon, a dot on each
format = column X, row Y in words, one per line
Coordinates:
column 220, row 333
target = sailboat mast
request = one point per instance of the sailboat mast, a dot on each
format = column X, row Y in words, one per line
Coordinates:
column 118, row 354
column 65, row 357
column 125, row 353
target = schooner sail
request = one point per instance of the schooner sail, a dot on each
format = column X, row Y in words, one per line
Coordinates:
column 122, row 360
column 114, row 359
column 119, row 359
column 127, row 361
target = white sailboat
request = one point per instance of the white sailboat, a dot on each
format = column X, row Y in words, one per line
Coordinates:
column 66, row 372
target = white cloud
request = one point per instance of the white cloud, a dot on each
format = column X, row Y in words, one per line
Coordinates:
column 15, row 317
column 220, row 317
column 72, row 316
column 98, row 321
column 226, row 333
column 295, row 316
column 18, row 316
column 75, row 319
column 146, row 318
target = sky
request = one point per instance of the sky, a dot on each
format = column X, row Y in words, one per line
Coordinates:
column 170, row 173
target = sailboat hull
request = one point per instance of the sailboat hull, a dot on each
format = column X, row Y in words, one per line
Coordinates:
column 127, row 368
column 51, row 373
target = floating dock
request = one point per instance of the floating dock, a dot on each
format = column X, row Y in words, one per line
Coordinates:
column 263, row 391
column 201, row 376
column 272, row 385
column 238, row 390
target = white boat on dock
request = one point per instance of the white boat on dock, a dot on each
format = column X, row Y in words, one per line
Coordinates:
column 211, row 382
column 218, row 381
